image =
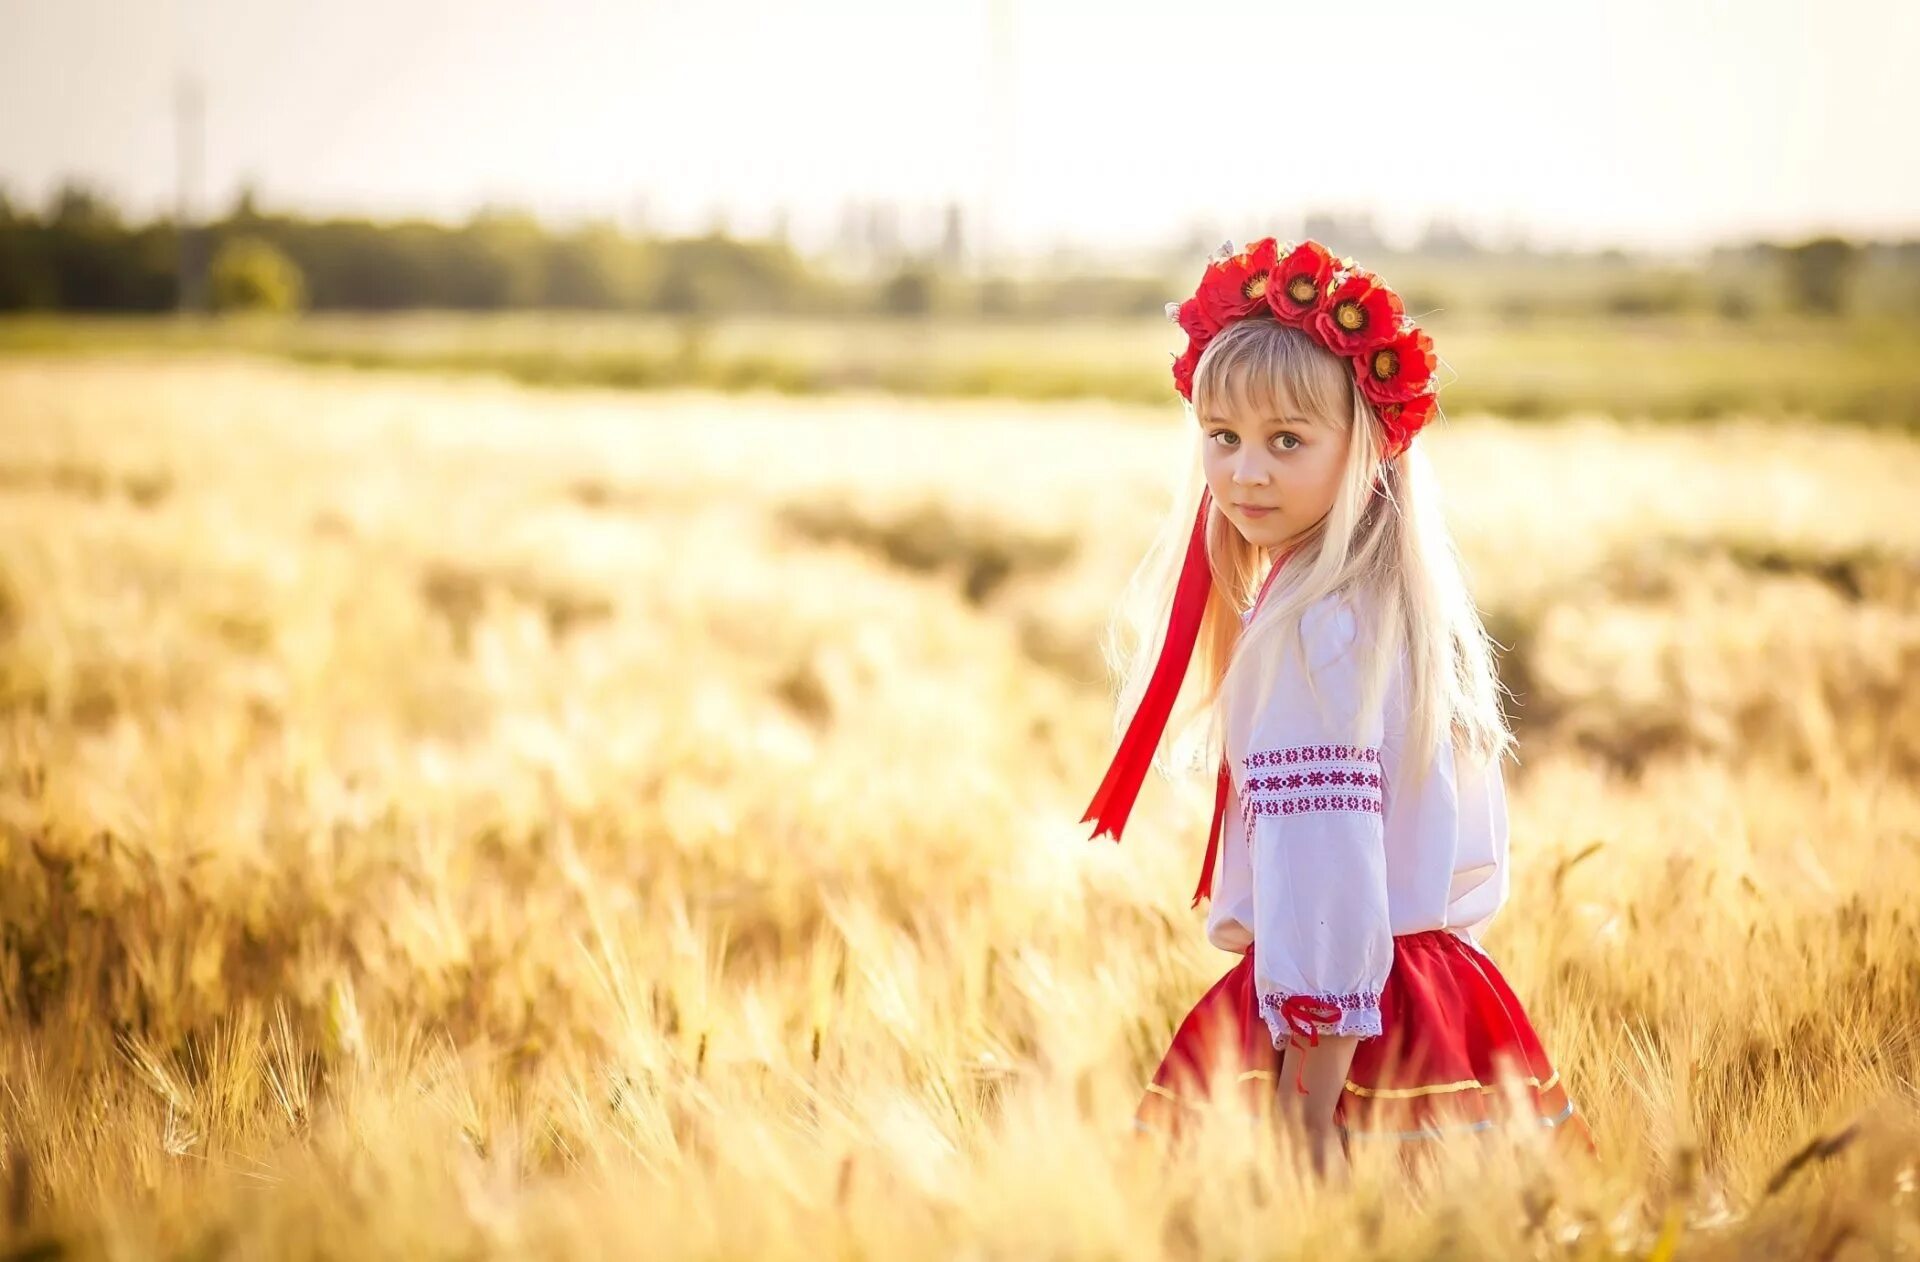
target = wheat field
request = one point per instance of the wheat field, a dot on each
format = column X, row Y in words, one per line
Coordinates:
column 441, row 818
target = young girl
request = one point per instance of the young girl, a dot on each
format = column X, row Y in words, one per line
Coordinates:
column 1357, row 707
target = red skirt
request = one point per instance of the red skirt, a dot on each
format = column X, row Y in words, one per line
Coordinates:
column 1456, row 1054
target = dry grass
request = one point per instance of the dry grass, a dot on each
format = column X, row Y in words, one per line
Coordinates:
column 1550, row 353
column 444, row 819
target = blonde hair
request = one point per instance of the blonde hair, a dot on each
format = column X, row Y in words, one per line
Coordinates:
column 1387, row 553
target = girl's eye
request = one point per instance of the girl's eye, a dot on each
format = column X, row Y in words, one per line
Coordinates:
column 1227, row 438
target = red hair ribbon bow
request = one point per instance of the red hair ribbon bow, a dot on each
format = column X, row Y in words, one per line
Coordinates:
column 1300, row 1012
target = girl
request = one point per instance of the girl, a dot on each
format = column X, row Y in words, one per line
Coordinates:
column 1357, row 708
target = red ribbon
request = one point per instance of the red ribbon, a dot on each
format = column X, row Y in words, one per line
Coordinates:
column 1300, row 1012
column 1221, row 791
column 1113, row 801
column 1223, row 787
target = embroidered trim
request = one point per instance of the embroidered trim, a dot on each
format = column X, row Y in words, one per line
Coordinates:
column 1359, row 1014
column 1318, row 802
column 1296, row 780
column 1441, row 1132
column 1549, row 1122
column 1311, row 753
column 1465, row 1084
column 1248, row 1075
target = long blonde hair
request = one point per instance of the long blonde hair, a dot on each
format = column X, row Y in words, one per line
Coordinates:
column 1388, row 553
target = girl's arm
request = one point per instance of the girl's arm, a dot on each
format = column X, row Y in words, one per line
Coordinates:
column 1324, row 1072
column 1325, row 1075
column 1312, row 790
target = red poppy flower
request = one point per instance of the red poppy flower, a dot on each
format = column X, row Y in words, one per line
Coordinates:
column 1398, row 369
column 1183, row 368
column 1360, row 314
column 1194, row 320
column 1236, row 287
column 1300, row 283
column 1399, row 422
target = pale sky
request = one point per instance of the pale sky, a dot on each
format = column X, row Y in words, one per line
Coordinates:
column 1652, row 123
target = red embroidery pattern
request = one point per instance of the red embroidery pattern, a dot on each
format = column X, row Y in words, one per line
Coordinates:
column 1319, row 802
column 1301, row 779
column 1311, row 780
column 1311, row 753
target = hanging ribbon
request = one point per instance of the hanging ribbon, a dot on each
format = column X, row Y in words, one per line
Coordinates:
column 1113, row 801
column 1223, row 786
column 1300, row 1012
column 1222, row 790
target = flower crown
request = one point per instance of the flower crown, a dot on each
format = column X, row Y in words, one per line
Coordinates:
column 1342, row 307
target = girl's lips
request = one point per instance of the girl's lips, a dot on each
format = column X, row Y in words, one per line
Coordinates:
column 1253, row 511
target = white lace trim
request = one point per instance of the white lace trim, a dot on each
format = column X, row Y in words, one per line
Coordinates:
column 1359, row 1015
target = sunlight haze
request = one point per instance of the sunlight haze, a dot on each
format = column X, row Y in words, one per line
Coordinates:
column 1660, row 125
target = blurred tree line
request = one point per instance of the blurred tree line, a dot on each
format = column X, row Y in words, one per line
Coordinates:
column 81, row 255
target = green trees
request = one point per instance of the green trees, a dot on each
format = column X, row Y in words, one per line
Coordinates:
column 1818, row 272
column 250, row 273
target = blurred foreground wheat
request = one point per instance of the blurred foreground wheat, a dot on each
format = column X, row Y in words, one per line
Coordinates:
column 444, row 819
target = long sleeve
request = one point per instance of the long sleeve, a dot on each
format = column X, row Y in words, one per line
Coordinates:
column 1311, row 804
column 1480, row 880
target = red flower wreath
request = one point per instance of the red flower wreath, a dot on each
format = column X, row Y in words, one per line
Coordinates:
column 1305, row 275
column 1343, row 308
column 1236, row 287
column 1397, row 371
column 1355, row 315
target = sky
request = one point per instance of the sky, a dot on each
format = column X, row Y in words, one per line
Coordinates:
column 1653, row 124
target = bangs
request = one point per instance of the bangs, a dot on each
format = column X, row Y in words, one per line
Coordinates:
column 1260, row 367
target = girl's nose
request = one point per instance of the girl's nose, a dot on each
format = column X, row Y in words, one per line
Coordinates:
column 1247, row 469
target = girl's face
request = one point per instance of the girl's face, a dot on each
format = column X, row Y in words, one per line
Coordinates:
column 1273, row 475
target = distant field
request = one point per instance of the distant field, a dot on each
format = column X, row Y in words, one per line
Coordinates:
column 442, row 818
column 1665, row 368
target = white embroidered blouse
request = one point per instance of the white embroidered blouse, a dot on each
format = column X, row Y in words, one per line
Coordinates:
column 1322, row 863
